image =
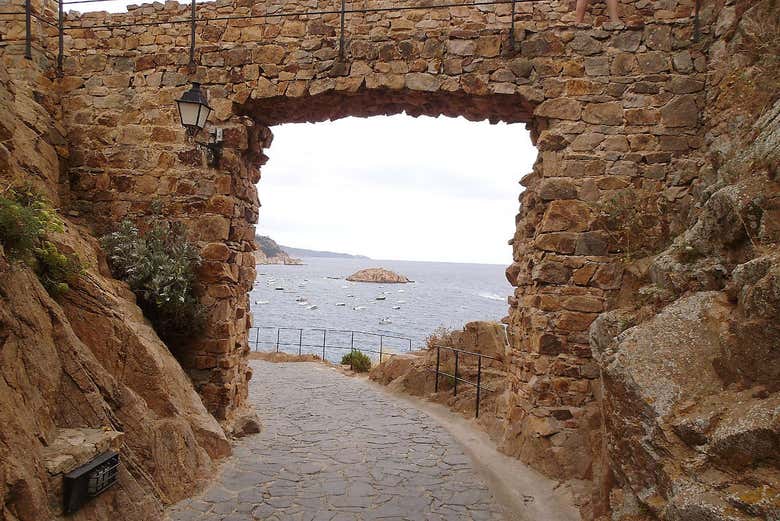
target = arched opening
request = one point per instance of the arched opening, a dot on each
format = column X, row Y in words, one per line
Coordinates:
column 470, row 198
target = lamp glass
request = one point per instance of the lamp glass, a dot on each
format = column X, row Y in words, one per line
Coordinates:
column 203, row 115
column 189, row 113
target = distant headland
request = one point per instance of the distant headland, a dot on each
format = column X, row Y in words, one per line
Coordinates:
column 270, row 252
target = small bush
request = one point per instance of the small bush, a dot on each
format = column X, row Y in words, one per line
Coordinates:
column 441, row 336
column 358, row 361
column 26, row 218
column 160, row 268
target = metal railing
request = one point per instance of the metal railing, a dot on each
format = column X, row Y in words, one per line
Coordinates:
column 320, row 340
column 456, row 378
column 193, row 20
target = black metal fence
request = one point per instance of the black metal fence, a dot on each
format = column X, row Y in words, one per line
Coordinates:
column 193, row 20
column 455, row 378
column 320, row 341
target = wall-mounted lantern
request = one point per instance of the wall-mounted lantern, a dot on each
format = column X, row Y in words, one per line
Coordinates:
column 194, row 111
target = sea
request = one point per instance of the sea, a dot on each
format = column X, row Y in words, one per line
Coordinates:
column 302, row 307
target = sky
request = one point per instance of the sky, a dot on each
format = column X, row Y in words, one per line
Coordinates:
column 429, row 189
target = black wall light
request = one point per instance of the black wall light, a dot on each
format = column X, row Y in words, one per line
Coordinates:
column 194, row 112
column 90, row 480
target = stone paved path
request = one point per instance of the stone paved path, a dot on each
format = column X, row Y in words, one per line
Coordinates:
column 334, row 448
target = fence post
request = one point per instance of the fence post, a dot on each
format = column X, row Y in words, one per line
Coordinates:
column 192, row 33
column 324, row 334
column 352, row 341
column 61, row 39
column 381, row 347
column 436, row 385
column 410, row 343
column 341, row 31
column 278, row 331
column 300, row 340
column 512, row 42
column 28, row 30
column 479, row 382
column 455, row 392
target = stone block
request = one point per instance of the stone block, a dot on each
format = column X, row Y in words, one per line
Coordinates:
column 681, row 112
column 566, row 215
column 610, row 113
column 560, row 108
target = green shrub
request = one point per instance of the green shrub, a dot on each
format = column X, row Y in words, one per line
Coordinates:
column 26, row 218
column 159, row 266
column 358, row 361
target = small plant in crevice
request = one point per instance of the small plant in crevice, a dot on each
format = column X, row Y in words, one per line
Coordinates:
column 160, row 267
column 357, row 360
column 633, row 223
column 26, row 219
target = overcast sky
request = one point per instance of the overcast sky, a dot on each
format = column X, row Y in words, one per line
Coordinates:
column 437, row 189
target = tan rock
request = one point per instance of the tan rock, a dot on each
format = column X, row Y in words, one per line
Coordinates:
column 379, row 275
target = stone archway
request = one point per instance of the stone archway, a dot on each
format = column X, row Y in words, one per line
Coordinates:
column 610, row 109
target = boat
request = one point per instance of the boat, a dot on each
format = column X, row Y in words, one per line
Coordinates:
column 341, row 304
column 396, row 307
column 358, row 308
column 385, row 320
column 313, row 306
column 381, row 297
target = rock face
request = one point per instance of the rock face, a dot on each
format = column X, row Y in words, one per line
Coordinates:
column 268, row 252
column 377, row 275
column 86, row 372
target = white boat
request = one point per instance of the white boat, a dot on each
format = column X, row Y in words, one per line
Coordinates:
column 313, row 306
column 341, row 304
column 358, row 308
column 381, row 297
column 385, row 320
column 396, row 307
column 261, row 301
column 401, row 301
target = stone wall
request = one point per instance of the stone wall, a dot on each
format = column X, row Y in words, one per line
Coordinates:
column 611, row 108
column 616, row 112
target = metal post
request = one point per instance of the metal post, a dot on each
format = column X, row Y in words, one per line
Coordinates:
column 352, row 341
column 455, row 391
column 436, row 385
column 410, row 343
column 61, row 29
column 341, row 33
column 300, row 340
column 278, row 330
column 28, row 30
column 324, row 335
column 381, row 347
column 696, row 28
column 512, row 29
column 479, row 382
column 192, row 33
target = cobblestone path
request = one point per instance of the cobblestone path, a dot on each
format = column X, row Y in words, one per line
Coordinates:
column 334, row 448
